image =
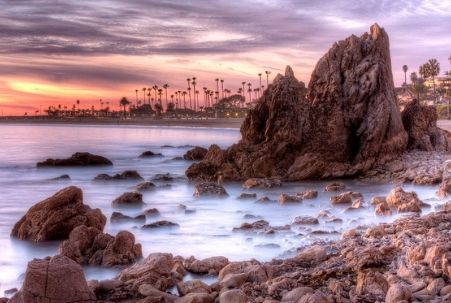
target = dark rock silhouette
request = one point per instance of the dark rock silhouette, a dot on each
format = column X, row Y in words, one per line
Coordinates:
column 55, row 217
column 195, row 154
column 125, row 175
column 77, row 159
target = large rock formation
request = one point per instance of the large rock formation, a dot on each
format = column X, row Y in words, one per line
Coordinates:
column 347, row 123
column 77, row 159
column 57, row 280
column 55, row 217
column 420, row 122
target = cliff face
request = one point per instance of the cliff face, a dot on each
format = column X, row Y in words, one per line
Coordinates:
column 348, row 122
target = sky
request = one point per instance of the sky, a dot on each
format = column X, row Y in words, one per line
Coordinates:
column 57, row 51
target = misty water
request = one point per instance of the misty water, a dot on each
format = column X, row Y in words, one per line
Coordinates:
column 205, row 229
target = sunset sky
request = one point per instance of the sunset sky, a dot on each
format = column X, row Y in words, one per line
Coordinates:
column 55, row 52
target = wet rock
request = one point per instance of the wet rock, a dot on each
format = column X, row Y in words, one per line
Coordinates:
column 398, row 293
column 55, row 279
column 149, row 154
column 91, row 246
column 192, row 286
column 444, row 189
column 348, row 197
column 126, row 175
column 152, row 212
column 257, row 225
column 263, row 183
column 372, row 284
column 420, row 122
column 209, row 189
column 305, row 220
column 309, row 194
column 296, row 294
column 210, row 265
column 195, row 154
column 77, row 159
column 383, row 209
column 11, row 291
column 152, row 293
column 117, row 217
column 160, row 224
column 335, row 186
column 61, row 178
column 163, row 177
column 233, row 296
column 55, row 217
column 145, row 186
column 403, row 201
column 264, row 200
column 195, row 298
column 247, row 196
column 128, row 199
column 285, row 198
column 233, row 280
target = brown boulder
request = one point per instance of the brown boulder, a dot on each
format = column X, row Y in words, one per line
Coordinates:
column 195, row 154
column 262, row 183
column 55, row 217
column 209, row 189
column 209, row 265
column 403, row 201
column 57, row 279
column 444, row 189
column 126, row 175
column 145, row 186
column 128, row 199
column 149, row 154
column 420, row 122
column 77, row 159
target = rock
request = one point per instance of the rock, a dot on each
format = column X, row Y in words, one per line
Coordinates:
column 159, row 224
column 313, row 298
column 55, row 217
column 11, row 291
column 163, row 177
column 305, row 220
column 284, row 199
column 128, row 199
column 347, row 198
column 372, row 284
column 382, row 209
column 155, row 270
column 335, row 186
column 77, row 159
column 87, row 245
column 61, row 178
column 444, row 189
column 257, row 225
column 209, row 189
column 195, row 298
column 435, row 286
column 152, row 212
column 195, row 154
column 398, row 293
column 403, row 201
column 233, row 296
column 192, row 286
column 56, row 279
column 234, row 280
column 420, row 122
column 210, row 265
column 264, row 183
column 310, row 194
column 149, row 154
column 145, row 186
column 126, row 175
column 247, row 196
column 117, row 217
column 296, row 294
column 315, row 253
column 149, row 291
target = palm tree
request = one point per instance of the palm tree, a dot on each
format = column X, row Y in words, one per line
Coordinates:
column 194, row 94
column 136, row 91
column 160, row 92
column 250, row 91
column 267, row 72
column 244, row 91
column 260, row 79
column 434, row 70
column 155, row 88
column 417, row 84
column 404, row 69
column 217, row 85
column 188, row 80
column 222, row 88
column 184, row 98
column 78, row 105
column 124, row 102
column 166, row 92
column 144, row 94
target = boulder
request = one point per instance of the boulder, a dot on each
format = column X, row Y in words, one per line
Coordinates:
column 263, row 183
column 54, row 279
column 145, row 186
column 348, row 197
column 305, row 220
column 233, row 296
column 77, row 159
column 398, row 293
column 128, row 199
column 192, row 286
column 210, row 265
column 309, row 194
column 403, row 201
column 61, row 178
column 247, row 196
column 87, row 245
column 209, row 189
column 149, row 154
column 348, row 123
column 335, row 186
column 257, row 225
column 160, row 224
column 444, row 189
column 285, row 199
column 195, row 154
column 118, row 217
column 196, row 298
column 420, row 122
column 126, row 175
column 54, row 218
column 296, row 294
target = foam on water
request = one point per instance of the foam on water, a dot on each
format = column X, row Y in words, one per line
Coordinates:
column 207, row 231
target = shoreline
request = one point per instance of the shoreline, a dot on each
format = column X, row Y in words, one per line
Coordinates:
column 206, row 123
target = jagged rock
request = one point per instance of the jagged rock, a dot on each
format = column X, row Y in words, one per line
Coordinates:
column 126, row 175
column 403, row 201
column 195, row 154
column 209, row 189
column 420, row 122
column 208, row 265
column 348, row 123
column 262, row 183
column 54, row 279
column 149, row 154
column 128, row 199
column 77, row 159
column 117, row 217
column 88, row 245
column 347, row 198
column 335, row 186
column 55, row 217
